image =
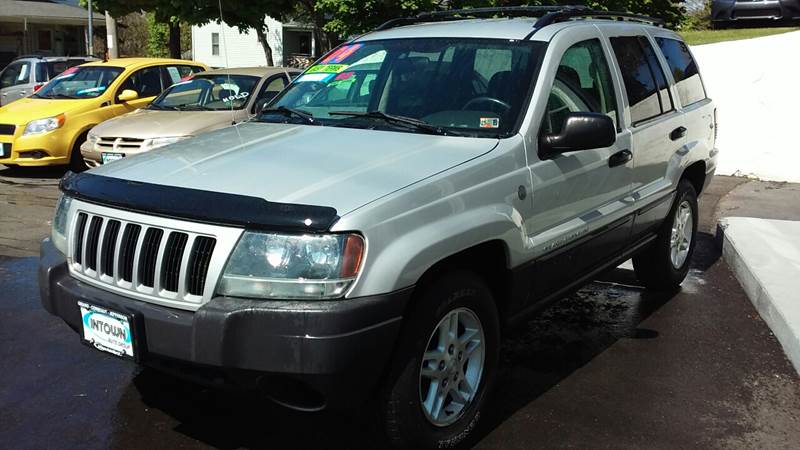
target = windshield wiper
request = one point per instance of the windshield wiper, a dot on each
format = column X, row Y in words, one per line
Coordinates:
column 291, row 112
column 194, row 108
column 401, row 120
column 162, row 108
column 57, row 96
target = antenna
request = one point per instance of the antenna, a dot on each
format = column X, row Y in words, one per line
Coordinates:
column 227, row 65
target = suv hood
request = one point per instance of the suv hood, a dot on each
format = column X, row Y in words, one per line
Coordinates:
column 313, row 165
column 148, row 124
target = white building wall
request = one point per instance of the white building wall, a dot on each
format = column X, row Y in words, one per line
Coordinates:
column 241, row 49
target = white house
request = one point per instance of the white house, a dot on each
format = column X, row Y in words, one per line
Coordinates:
column 219, row 45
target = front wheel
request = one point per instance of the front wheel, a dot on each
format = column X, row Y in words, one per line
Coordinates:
column 665, row 264
column 444, row 365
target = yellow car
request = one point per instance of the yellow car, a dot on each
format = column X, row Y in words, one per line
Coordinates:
column 49, row 127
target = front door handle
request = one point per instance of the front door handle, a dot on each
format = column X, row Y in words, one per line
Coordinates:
column 677, row 133
column 620, row 158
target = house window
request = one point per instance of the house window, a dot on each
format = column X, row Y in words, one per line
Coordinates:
column 45, row 40
column 215, row 44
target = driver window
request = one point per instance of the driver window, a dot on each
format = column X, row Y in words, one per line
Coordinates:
column 582, row 84
column 146, row 82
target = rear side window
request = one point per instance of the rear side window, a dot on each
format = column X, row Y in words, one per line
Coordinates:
column 645, row 82
column 684, row 70
column 16, row 73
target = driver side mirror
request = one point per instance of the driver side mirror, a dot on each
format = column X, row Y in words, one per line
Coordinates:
column 262, row 102
column 582, row 131
column 128, row 95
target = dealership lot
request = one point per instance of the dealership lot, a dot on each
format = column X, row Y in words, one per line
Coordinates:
column 609, row 367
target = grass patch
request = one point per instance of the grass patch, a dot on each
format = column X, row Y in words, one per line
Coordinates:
column 731, row 34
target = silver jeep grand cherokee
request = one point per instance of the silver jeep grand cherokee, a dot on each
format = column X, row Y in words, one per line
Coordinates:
column 415, row 192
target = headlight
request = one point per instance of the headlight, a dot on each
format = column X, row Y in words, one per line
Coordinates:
column 44, row 125
column 92, row 138
column 268, row 265
column 151, row 144
column 58, row 233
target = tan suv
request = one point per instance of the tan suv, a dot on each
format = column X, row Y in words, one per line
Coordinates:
column 208, row 101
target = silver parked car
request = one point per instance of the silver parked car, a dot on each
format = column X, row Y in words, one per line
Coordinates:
column 419, row 189
column 26, row 74
column 207, row 101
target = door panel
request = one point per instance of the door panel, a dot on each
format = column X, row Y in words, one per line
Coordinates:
column 655, row 123
column 578, row 195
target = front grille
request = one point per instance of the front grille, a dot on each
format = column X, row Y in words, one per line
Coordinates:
column 158, row 261
column 7, row 130
column 119, row 144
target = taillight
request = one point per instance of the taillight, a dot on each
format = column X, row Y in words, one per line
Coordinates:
column 38, row 86
column 716, row 127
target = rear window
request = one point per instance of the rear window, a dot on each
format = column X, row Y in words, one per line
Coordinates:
column 645, row 82
column 684, row 70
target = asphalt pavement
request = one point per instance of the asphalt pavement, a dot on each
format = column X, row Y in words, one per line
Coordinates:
column 612, row 366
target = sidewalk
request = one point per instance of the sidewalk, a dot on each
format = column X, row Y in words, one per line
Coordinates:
column 764, row 254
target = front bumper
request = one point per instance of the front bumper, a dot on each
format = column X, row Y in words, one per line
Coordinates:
column 304, row 354
column 45, row 149
column 755, row 10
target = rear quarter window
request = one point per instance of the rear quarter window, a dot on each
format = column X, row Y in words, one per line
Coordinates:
column 684, row 70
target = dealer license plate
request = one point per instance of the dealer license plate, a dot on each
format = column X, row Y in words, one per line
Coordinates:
column 107, row 330
column 5, row 150
column 108, row 157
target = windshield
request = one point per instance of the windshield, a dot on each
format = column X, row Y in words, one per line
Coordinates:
column 80, row 82
column 208, row 92
column 475, row 87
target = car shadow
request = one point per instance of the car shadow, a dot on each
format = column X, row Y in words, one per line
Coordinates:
column 47, row 172
column 537, row 356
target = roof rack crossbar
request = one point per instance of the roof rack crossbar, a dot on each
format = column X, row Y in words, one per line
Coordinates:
column 471, row 13
column 547, row 15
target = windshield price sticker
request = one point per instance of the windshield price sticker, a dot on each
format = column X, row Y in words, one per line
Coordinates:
column 341, row 53
column 327, row 68
column 490, row 122
column 319, row 77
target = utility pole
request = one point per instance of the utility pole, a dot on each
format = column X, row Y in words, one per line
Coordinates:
column 91, row 30
column 111, row 41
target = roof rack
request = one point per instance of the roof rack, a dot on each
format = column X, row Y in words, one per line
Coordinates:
column 547, row 15
column 28, row 57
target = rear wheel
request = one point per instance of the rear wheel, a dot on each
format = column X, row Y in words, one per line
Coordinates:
column 444, row 365
column 665, row 264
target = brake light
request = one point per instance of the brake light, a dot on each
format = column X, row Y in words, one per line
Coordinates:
column 38, row 86
column 716, row 127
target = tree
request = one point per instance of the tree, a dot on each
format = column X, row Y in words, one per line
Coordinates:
column 167, row 12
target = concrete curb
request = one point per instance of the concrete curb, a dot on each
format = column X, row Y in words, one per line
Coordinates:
column 765, row 257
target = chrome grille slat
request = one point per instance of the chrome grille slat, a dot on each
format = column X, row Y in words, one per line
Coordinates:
column 159, row 260
column 106, row 247
column 116, row 255
column 184, row 268
column 136, row 257
column 99, row 239
column 162, row 245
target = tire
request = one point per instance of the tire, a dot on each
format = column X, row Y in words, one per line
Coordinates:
column 408, row 421
column 659, row 267
column 76, row 162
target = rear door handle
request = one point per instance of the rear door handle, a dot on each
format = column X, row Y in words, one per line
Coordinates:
column 620, row 158
column 677, row 133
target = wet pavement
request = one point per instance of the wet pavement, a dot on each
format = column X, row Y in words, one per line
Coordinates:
column 612, row 366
